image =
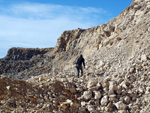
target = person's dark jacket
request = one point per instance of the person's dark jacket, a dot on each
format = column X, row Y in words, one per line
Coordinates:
column 80, row 60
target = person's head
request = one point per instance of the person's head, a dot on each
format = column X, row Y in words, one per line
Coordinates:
column 81, row 56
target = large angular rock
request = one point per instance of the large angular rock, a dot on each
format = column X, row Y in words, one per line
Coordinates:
column 112, row 86
column 104, row 101
column 143, row 57
column 91, row 83
column 87, row 95
column 97, row 94
column 120, row 105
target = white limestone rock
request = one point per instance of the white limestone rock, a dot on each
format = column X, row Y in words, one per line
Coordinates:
column 140, row 90
column 107, row 109
column 143, row 57
column 137, row 7
column 112, row 86
column 110, row 107
column 8, row 87
column 91, row 108
column 40, row 79
column 147, row 90
column 98, row 86
column 111, row 92
column 91, row 83
column 100, row 64
column 113, row 98
column 104, row 101
column 125, row 84
column 105, row 84
column 127, row 99
column 97, row 94
column 87, row 95
column 83, row 103
column 80, row 89
column 120, row 105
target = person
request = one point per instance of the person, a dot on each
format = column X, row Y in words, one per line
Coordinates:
column 79, row 63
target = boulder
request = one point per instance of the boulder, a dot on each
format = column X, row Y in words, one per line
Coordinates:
column 91, row 108
column 83, row 103
column 113, row 98
column 87, row 95
column 127, row 99
column 143, row 58
column 97, row 94
column 112, row 86
column 120, row 105
column 104, row 101
column 91, row 83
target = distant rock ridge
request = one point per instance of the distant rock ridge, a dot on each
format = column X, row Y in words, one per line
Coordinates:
column 24, row 53
column 20, row 61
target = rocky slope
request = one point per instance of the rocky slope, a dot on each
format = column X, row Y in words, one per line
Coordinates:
column 116, row 78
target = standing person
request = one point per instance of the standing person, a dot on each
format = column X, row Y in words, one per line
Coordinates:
column 79, row 63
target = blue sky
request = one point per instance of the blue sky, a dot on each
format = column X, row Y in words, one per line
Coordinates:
column 39, row 23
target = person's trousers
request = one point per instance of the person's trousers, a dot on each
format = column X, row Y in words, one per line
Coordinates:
column 79, row 68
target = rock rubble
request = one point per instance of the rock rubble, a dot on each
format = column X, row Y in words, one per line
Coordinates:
column 67, row 94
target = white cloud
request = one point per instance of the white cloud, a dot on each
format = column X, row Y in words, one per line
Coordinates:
column 49, row 11
column 39, row 25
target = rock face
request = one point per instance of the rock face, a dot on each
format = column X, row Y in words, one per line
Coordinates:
column 22, row 62
column 116, row 78
column 24, row 54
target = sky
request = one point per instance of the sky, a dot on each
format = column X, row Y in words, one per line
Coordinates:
column 39, row 23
